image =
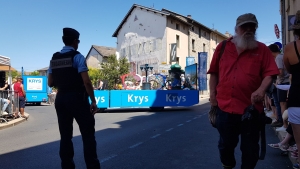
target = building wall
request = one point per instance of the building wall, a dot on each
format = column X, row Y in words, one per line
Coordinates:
column 182, row 48
column 202, row 42
column 94, row 59
column 291, row 7
column 142, row 38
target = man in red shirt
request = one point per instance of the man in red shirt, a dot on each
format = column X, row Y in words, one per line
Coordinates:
column 19, row 90
column 238, row 79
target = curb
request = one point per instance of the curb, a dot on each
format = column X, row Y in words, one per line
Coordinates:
column 14, row 122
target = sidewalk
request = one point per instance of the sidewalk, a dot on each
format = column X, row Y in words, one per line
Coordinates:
column 13, row 122
column 281, row 135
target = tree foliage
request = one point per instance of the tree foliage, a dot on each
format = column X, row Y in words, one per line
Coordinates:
column 15, row 74
column 113, row 69
column 35, row 73
column 94, row 75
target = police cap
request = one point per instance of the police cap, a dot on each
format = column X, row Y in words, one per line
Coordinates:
column 71, row 33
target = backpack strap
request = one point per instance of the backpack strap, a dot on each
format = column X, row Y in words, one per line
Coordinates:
column 222, row 49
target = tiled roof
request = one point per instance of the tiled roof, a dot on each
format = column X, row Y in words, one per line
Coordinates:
column 105, row 51
column 129, row 12
column 43, row 69
column 194, row 22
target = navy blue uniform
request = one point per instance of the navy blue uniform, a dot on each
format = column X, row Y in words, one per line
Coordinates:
column 72, row 102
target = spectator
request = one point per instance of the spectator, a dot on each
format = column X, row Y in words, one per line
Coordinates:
column 14, row 100
column 282, row 79
column 100, row 84
column 292, row 63
column 234, row 85
column 4, row 90
column 4, row 104
column 19, row 89
column 137, row 86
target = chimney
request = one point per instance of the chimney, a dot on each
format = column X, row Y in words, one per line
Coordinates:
column 189, row 16
column 227, row 34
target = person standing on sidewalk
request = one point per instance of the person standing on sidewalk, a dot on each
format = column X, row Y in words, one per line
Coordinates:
column 19, row 91
column 279, row 95
column 292, row 63
column 239, row 78
column 68, row 73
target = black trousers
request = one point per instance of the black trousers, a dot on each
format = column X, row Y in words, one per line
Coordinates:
column 230, row 128
column 70, row 105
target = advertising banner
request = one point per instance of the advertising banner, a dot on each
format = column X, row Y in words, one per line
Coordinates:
column 102, row 98
column 191, row 76
column 202, row 69
column 190, row 60
column 153, row 98
column 34, row 83
column 173, row 53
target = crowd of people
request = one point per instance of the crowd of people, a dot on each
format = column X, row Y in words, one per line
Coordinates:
column 244, row 74
column 12, row 100
column 286, row 105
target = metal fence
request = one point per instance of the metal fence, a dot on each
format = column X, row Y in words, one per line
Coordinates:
column 9, row 104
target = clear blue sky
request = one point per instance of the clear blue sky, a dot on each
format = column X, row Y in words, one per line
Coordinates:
column 31, row 30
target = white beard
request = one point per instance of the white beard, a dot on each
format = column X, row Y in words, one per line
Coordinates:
column 245, row 41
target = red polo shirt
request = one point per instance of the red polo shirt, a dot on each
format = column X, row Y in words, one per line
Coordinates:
column 241, row 75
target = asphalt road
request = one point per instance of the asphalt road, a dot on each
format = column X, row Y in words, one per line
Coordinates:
column 176, row 138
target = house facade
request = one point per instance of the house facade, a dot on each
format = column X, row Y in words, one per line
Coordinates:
column 98, row 54
column 146, row 35
column 288, row 9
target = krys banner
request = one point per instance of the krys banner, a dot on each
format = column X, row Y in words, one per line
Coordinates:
column 202, row 69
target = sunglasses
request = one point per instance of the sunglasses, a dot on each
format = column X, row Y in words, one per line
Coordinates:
column 249, row 25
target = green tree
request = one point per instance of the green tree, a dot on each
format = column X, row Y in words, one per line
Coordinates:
column 94, row 75
column 15, row 74
column 113, row 69
column 35, row 73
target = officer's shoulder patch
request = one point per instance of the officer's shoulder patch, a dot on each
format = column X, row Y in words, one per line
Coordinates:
column 61, row 63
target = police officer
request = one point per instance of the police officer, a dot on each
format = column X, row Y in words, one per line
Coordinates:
column 68, row 73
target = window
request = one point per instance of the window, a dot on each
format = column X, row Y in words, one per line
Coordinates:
column 177, row 26
column 204, row 47
column 193, row 44
column 199, row 33
column 204, row 34
column 177, row 60
column 177, row 41
column 192, row 28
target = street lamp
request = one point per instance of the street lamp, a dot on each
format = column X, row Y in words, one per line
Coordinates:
column 146, row 67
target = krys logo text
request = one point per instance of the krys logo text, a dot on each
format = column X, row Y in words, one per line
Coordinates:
column 175, row 98
column 100, row 99
column 31, row 80
column 137, row 99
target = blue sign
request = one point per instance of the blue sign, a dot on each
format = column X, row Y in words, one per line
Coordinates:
column 35, row 84
column 36, row 97
column 153, row 98
column 102, row 98
column 191, row 76
column 202, row 69
column 190, row 60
